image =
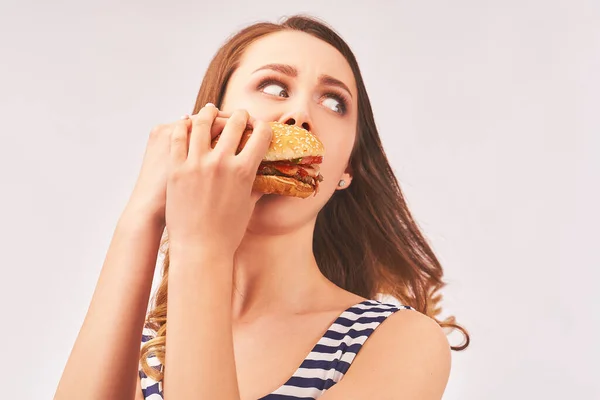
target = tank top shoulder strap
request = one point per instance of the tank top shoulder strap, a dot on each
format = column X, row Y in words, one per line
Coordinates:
column 352, row 329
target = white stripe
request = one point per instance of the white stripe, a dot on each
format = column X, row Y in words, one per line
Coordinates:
column 368, row 314
column 348, row 357
column 153, row 361
column 320, row 373
column 146, row 382
column 317, row 356
column 148, row 332
column 346, row 339
column 357, row 326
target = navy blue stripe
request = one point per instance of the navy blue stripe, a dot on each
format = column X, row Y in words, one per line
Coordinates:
column 152, row 389
column 353, row 333
column 301, row 382
column 357, row 310
column 330, row 383
column 145, row 338
column 323, row 349
column 321, row 364
column 343, row 367
column 284, row 397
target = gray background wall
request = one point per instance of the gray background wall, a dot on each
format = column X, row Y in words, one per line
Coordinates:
column 488, row 111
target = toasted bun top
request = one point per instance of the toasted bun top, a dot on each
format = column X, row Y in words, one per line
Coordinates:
column 288, row 142
column 291, row 141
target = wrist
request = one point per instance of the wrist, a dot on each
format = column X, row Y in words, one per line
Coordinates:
column 142, row 216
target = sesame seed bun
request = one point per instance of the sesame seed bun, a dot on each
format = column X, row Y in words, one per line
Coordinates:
column 291, row 141
column 288, row 142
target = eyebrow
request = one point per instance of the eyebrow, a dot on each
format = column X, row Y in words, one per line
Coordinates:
column 291, row 71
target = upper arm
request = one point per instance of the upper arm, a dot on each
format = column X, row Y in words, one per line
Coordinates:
column 407, row 357
column 138, row 390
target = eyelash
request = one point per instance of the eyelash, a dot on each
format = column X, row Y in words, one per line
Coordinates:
column 339, row 96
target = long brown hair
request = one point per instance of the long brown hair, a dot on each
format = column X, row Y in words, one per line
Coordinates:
column 365, row 239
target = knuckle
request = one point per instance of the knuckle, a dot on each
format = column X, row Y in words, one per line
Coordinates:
column 265, row 128
column 176, row 175
column 239, row 118
column 179, row 135
column 242, row 170
column 202, row 121
column 214, row 163
column 178, row 139
column 241, row 113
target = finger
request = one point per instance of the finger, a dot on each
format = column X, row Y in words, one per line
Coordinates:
column 178, row 150
column 224, row 114
column 219, row 125
column 232, row 133
column 258, row 144
column 201, row 126
column 188, row 124
column 228, row 114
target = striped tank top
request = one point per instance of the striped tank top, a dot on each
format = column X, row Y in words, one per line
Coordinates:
column 324, row 366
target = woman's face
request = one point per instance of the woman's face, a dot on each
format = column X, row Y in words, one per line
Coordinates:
column 295, row 78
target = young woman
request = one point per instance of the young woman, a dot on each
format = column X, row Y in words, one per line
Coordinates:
column 269, row 297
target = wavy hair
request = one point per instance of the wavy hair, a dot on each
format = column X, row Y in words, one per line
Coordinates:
column 365, row 239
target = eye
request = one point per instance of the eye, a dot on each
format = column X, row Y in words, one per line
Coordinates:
column 274, row 89
column 334, row 104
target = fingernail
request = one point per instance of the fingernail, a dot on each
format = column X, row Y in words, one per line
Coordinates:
column 185, row 116
column 210, row 105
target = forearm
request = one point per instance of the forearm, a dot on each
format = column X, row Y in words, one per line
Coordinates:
column 104, row 360
column 200, row 361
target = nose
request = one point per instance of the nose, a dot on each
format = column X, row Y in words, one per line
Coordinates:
column 297, row 118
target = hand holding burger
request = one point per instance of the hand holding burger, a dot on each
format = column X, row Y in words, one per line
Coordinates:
column 211, row 193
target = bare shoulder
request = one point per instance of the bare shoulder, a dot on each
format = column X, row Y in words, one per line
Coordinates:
column 407, row 356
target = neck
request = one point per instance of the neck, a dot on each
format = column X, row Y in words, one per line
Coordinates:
column 276, row 274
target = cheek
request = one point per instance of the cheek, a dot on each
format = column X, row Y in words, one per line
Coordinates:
column 237, row 98
column 337, row 154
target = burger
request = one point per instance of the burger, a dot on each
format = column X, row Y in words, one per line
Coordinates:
column 291, row 165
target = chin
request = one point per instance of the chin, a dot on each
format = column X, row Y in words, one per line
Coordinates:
column 275, row 214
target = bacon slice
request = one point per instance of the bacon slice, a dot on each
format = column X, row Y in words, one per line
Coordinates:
column 311, row 170
column 311, row 160
column 290, row 170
